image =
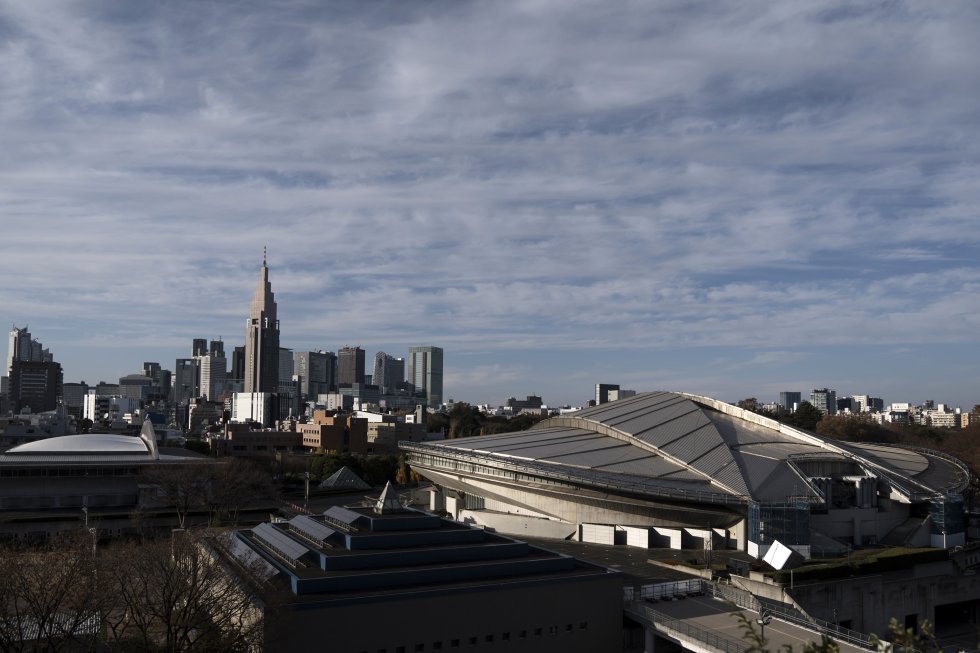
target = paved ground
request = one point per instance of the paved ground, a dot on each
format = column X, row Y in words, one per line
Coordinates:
column 719, row 617
column 633, row 562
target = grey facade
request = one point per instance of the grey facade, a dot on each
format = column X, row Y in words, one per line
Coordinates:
column 425, row 372
column 262, row 338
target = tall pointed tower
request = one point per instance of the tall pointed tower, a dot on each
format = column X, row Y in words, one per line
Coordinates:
column 262, row 338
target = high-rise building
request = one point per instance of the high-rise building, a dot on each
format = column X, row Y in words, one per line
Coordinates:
column 788, row 401
column 389, row 371
column 350, row 365
column 214, row 372
column 35, row 385
column 316, row 372
column 262, row 338
column 824, row 400
column 186, row 380
column 606, row 392
column 200, row 347
column 238, row 364
column 35, row 380
column 425, row 372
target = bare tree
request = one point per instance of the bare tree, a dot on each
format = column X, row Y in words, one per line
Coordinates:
column 239, row 484
column 52, row 597
column 185, row 487
column 181, row 596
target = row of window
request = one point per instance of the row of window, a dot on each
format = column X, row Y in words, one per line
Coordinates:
column 492, row 638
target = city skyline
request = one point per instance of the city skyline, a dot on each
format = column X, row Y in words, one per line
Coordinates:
column 728, row 201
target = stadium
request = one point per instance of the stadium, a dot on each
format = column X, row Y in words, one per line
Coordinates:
column 668, row 469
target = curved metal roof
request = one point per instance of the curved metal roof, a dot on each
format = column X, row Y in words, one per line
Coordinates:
column 681, row 440
column 87, row 443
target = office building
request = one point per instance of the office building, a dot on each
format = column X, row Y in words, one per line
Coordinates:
column 34, row 379
column 315, row 372
column 603, row 392
column 350, row 365
column 824, row 400
column 213, row 373
column 389, row 372
column 238, row 364
column 789, row 401
column 425, row 373
column 262, row 338
column 186, row 380
column 34, row 385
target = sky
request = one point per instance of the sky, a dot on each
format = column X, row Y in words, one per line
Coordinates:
column 723, row 198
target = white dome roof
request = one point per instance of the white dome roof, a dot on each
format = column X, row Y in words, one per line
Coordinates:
column 95, row 443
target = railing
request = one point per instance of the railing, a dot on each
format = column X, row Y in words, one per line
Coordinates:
column 748, row 601
column 678, row 628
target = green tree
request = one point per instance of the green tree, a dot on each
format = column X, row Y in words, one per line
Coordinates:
column 805, row 417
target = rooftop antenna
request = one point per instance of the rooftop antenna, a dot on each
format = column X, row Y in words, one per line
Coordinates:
column 264, row 252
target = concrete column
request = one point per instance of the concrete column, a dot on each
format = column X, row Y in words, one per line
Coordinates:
column 649, row 640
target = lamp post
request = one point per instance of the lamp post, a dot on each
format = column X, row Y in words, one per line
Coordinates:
column 95, row 536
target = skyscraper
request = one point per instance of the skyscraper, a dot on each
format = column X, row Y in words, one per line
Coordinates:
column 388, row 371
column 262, row 338
column 350, row 365
column 35, row 380
column 425, row 372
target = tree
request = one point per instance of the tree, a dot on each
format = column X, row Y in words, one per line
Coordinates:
column 52, row 597
column 805, row 417
column 178, row 596
column 236, row 484
column 183, row 486
column 854, row 428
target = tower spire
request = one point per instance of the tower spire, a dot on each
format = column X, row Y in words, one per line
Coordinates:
column 264, row 253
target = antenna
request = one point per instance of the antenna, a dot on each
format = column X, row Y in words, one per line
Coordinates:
column 264, row 252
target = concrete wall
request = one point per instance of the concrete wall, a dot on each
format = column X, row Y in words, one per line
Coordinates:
column 518, row 525
column 571, row 615
column 597, row 533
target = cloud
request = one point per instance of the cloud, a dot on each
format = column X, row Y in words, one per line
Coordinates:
column 565, row 177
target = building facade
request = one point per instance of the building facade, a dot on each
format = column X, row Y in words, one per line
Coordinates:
column 350, row 365
column 425, row 372
column 262, row 338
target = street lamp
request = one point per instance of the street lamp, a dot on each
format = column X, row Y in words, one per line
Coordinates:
column 95, row 535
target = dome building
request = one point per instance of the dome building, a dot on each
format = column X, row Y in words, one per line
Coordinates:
column 677, row 470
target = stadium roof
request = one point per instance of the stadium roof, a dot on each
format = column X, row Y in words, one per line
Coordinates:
column 668, row 442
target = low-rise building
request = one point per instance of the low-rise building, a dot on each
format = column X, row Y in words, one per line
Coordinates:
column 337, row 433
column 344, row 569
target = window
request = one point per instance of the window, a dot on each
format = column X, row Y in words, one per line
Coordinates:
column 537, row 632
column 436, row 646
column 505, row 637
column 473, row 641
column 523, row 634
column 583, row 625
column 454, row 643
column 420, row 647
column 489, row 639
column 568, row 628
